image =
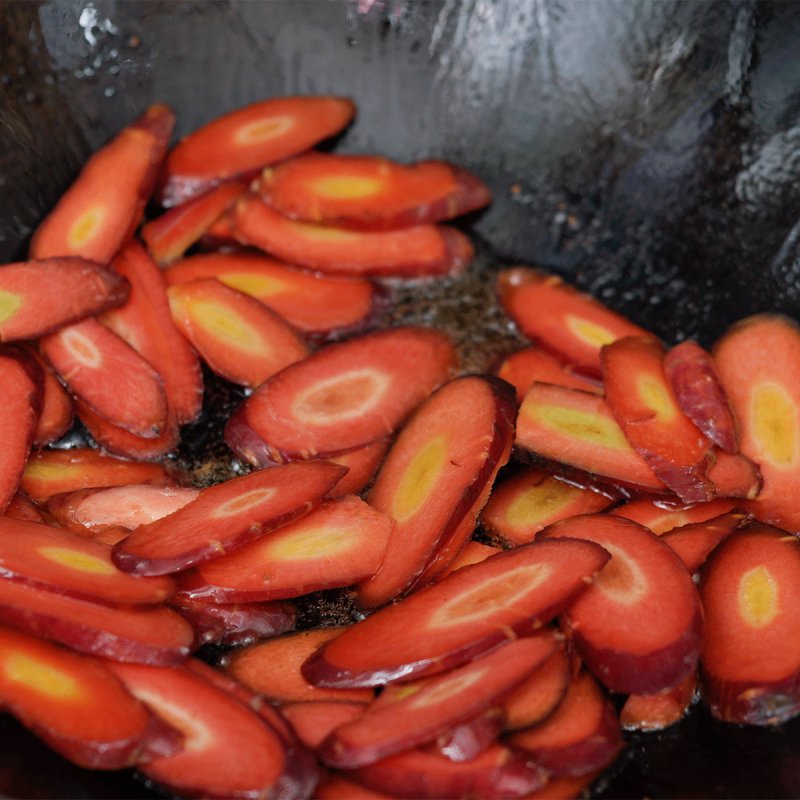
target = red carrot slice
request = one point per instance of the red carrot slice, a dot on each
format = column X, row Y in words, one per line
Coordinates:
column 226, row 516
column 315, row 304
column 521, row 506
column 76, row 705
column 694, row 543
column 660, row 518
column 654, row 712
column 583, row 734
column 241, row 142
column 578, row 429
column 462, row 616
column 109, row 376
column 22, row 508
column 272, row 668
column 55, row 416
column 338, row 543
column 53, row 472
column 691, row 373
column 148, row 634
column 344, row 396
column 314, row 720
column 37, row 297
column 433, row 475
column 469, row 739
column 238, row 337
column 334, row 787
column 472, row 553
column 638, row 627
column 566, row 787
column 750, row 590
column 145, row 323
column 370, row 192
column 643, row 403
column 362, row 464
column 560, row 318
column 169, row 236
column 100, row 211
column 735, row 475
column 421, row 250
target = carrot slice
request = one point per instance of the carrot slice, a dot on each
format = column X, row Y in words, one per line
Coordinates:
column 583, row 734
column 421, row 250
column 344, row 396
column 735, row 475
column 76, row 705
column 100, row 211
column 238, row 337
column 314, row 304
column 660, row 518
column 145, row 323
column 169, row 236
column 654, row 712
column 109, row 376
column 334, row 787
column 314, row 720
column 226, row 516
column 469, row 739
column 55, row 416
column 691, row 374
column 370, row 192
column 472, row 553
column 272, row 668
column 462, row 616
column 578, row 429
column 338, row 543
column 522, row 505
column 643, row 403
column 694, row 543
column 22, row 508
column 52, row 472
column 560, row 318
column 362, row 464
column 638, row 627
column 37, row 297
column 566, row 787
column 240, row 143
column 433, row 475
column 750, row 589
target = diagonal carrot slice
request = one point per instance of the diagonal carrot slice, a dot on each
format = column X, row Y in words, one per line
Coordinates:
column 100, row 211
column 654, row 712
column 421, row 250
column 335, row 787
column 470, row 738
column 362, row 464
column 695, row 542
column 471, row 553
column 23, row 508
column 55, row 417
column 468, row 613
column 313, row 720
column 238, row 337
column 735, row 475
column 240, row 143
column 226, row 516
column 660, row 518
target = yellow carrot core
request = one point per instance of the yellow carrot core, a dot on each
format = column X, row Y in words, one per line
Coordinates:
column 83, row 562
column 262, row 130
column 539, row 502
column 345, row 187
column 589, row 332
column 774, row 423
column 9, row 304
column 758, row 597
column 43, row 678
column 419, row 479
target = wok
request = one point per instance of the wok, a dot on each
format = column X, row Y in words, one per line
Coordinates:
column 647, row 151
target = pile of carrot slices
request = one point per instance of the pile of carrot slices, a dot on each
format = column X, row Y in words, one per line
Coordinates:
column 605, row 523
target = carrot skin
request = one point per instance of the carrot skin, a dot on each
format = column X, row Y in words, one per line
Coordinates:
column 694, row 543
column 654, row 712
column 23, row 508
column 469, row 739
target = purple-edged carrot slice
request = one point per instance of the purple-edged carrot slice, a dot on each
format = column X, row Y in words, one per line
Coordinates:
column 344, row 396
column 468, row 613
column 362, row 464
column 314, row 720
column 240, row 143
column 638, row 627
column 226, row 516
column 522, row 505
column 238, row 337
column 735, row 475
column 577, row 428
column 434, row 473
column 662, row 518
column 55, row 416
column 654, row 712
column 76, row 705
column 750, row 588
column 370, row 192
column 421, row 250
column 23, row 508
column 694, row 543
column 470, row 738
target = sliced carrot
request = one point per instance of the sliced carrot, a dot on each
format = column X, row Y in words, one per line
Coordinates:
column 566, row 787
column 472, row 553
column 462, row 616
column 735, row 475
column 421, row 250
column 750, row 589
column 37, row 297
column 469, row 739
column 76, row 705
column 226, row 516
column 272, row 668
column 370, row 192
column 694, row 543
column 338, row 543
column 661, row 518
column 314, row 304
column 578, row 429
column 238, row 337
column 314, row 720
column 560, row 318
column 23, row 508
column 643, row 403
column 220, row 234
column 522, row 505
column 52, row 472
column 583, row 734
column 145, row 323
column 434, row 473
column 169, row 236
column 55, row 416
column 654, row 712
column 691, row 373
column 335, row 787
column 109, row 376
column 240, row 143
column 100, row 211
column 344, row 396
column 638, row 627
column 362, row 464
